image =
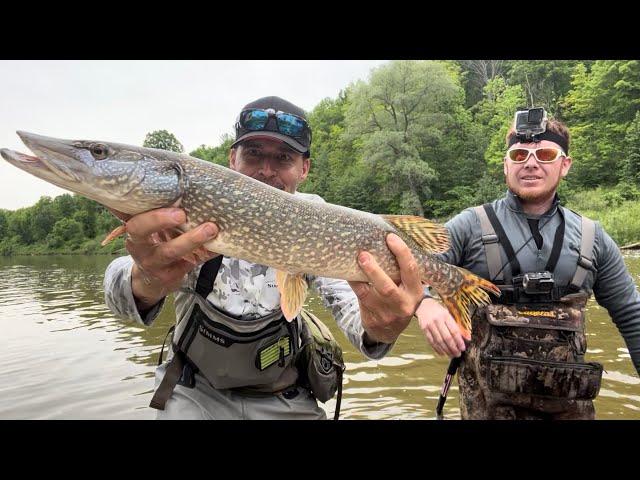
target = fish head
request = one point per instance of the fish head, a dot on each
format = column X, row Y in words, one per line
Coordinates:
column 126, row 178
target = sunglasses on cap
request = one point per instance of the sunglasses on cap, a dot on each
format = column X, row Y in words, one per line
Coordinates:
column 257, row 119
column 542, row 154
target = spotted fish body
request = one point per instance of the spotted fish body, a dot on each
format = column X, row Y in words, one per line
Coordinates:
column 257, row 222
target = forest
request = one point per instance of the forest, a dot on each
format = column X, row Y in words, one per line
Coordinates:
column 425, row 138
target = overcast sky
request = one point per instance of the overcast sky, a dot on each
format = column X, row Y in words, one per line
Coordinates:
column 122, row 101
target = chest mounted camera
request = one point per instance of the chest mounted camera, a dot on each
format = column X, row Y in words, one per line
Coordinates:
column 535, row 283
column 530, row 123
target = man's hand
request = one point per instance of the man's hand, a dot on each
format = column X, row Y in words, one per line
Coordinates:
column 160, row 251
column 440, row 328
column 386, row 308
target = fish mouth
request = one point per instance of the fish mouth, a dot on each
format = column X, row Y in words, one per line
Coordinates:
column 13, row 156
column 39, row 167
column 44, row 163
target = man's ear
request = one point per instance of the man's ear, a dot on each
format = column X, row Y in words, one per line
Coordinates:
column 232, row 158
column 566, row 165
column 306, row 164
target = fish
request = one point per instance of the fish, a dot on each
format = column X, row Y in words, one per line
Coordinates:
column 257, row 222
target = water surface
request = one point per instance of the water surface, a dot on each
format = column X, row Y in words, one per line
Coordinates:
column 64, row 355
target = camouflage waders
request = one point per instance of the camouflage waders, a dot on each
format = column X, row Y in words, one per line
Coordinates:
column 526, row 361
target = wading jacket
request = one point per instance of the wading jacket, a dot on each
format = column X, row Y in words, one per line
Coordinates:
column 608, row 278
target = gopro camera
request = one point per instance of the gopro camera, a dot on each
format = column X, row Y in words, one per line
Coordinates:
column 537, row 283
column 528, row 124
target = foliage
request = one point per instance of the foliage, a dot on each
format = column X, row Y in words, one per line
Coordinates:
column 632, row 160
column 599, row 108
column 164, row 140
column 545, row 82
column 66, row 232
column 497, row 110
column 422, row 137
column 399, row 116
column 218, row 155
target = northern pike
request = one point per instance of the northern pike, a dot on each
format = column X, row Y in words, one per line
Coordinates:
column 257, row 222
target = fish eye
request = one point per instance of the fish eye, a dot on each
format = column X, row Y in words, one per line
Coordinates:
column 99, row 151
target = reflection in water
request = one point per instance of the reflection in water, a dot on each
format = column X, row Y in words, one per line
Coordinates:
column 64, row 355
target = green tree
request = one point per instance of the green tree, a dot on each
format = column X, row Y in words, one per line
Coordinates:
column 400, row 116
column 544, row 82
column 66, row 232
column 19, row 225
column 632, row 161
column 164, row 140
column 105, row 221
column 86, row 215
column 4, row 223
column 497, row 111
column 43, row 215
column 65, row 205
column 330, row 156
column 476, row 74
column 218, row 155
column 599, row 109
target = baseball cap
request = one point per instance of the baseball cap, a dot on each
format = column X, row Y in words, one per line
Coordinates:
column 285, row 122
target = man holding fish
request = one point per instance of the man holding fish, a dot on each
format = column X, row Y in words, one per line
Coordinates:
column 241, row 300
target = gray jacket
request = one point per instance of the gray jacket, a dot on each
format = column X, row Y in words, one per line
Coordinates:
column 336, row 295
column 608, row 280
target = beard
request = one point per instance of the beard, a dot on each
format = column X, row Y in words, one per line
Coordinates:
column 272, row 182
column 537, row 195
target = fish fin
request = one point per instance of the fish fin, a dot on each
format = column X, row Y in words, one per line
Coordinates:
column 192, row 258
column 293, row 291
column 199, row 255
column 115, row 233
column 430, row 236
column 459, row 304
column 123, row 217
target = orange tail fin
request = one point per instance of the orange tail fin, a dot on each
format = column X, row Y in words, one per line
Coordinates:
column 471, row 293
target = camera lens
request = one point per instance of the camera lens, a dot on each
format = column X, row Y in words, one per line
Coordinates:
column 535, row 115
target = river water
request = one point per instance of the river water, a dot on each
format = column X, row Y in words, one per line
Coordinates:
column 65, row 356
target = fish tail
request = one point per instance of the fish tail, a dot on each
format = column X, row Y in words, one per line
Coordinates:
column 472, row 292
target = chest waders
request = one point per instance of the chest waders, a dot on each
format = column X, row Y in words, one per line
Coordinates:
column 526, row 356
column 253, row 354
column 254, row 357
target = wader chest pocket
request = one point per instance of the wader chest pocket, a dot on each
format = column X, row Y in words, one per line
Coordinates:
column 230, row 358
column 275, row 353
column 320, row 364
column 573, row 381
column 548, row 317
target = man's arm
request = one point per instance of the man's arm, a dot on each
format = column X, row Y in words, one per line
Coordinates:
column 439, row 327
column 616, row 291
column 160, row 259
column 372, row 315
column 340, row 299
column 119, row 296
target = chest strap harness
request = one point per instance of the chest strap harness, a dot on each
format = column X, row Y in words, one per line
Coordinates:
column 179, row 368
column 493, row 236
